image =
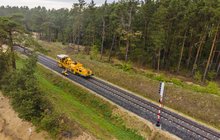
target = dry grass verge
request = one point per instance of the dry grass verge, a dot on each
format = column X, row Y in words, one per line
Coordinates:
column 143, row 127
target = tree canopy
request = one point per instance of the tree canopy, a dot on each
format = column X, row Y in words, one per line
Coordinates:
column 172, row 35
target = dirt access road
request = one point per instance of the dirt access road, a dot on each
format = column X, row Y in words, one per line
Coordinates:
column 14, row 128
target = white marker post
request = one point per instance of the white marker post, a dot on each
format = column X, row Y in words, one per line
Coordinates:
column 161, row 91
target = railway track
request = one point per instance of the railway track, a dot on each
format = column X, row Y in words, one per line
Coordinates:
column 180, row 126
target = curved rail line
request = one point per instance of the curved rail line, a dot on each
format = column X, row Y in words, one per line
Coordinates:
column 171, row 122
column 165, row 113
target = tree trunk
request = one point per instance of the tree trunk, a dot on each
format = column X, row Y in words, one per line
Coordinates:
column 181, row 52
column 189, row 56
column 129, row 31
column 158, row 61
column 74, row 39
column 12, row 51
column 210, row 55
column 78, row 39
column 78, row 45
column 197, row 54
column 145, row 33
column 63, row 39
column 218, row 68
column 163, row 59
column 167, row 60
column 169, row 51
column 217, row 60
column 93, row 37
column 113, row 42
column 127, row 49
column 117, row 44
column 103, row 37
column 190, row 51
column 49, row 35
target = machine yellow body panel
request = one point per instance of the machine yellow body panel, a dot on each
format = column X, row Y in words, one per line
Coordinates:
column 73, row 66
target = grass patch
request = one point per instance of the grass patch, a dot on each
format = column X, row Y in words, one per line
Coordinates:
column 51, row 48
column 211, row 87
column 94, row 114
column 19, row 62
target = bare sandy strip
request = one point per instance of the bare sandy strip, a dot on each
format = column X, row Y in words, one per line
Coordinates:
column 14, row 128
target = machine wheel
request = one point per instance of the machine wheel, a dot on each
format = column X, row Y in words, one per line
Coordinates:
column 59, row 65
column 74, row 72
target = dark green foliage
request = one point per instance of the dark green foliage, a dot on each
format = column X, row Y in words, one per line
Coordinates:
column 211, row 75
column 23, row 89
column 4, row 64
column 198, row 76
column 124, row 66
column 51, row 124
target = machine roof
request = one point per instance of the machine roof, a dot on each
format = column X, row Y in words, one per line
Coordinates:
column 61, row 56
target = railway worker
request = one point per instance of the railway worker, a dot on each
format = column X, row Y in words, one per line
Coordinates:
column 64, row 72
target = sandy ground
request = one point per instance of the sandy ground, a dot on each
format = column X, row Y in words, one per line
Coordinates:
column 13, row 128
column 3, row 48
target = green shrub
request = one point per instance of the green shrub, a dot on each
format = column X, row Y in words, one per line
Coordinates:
column 50, row 123
column 28, row 104
column 126, row 66
column 80, row 55
column 212, row 88
column 198, row 76
column 94, row 52
column 149, row 74
column 22, row 87
column 211, row 75
column 26, row 97
column 161, row 77
column 119, row 66
column 177, row 82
